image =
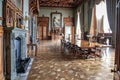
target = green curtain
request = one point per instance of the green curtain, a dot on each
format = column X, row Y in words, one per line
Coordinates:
column 90, row 6
column 111, row 7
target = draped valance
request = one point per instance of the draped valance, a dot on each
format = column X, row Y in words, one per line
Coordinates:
column 93, row 2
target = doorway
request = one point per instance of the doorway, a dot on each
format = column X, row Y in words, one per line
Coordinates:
column 43, row 23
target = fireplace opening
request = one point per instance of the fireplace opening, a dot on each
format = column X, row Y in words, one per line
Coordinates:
column 21, row 64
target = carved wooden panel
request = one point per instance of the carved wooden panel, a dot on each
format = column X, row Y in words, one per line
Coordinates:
column 43, row 23
column 10, row 17
column 34, row 6
column 13, row 16
column 17, row 3
column 7, row 59
column 68, row 21
column 1, row 54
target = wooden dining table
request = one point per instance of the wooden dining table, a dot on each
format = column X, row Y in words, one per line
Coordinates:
column 88, row 48
column 92, row 47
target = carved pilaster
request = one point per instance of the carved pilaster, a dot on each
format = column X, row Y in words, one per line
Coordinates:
column 1, row 54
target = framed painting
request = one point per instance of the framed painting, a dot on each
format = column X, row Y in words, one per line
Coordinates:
column 56, row 20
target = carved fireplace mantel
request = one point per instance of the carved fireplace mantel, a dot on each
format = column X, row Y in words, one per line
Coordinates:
column 11, row 36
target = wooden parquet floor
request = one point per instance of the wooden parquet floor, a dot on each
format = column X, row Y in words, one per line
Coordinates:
column 50, row 65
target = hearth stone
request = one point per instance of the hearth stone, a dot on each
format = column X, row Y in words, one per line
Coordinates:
column 10, row 51
column 23, row 65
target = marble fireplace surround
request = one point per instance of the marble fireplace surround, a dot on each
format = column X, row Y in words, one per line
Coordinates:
column 12, row 34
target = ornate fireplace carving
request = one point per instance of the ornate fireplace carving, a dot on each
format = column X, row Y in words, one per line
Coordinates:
column 14, row 37
column 13, row 13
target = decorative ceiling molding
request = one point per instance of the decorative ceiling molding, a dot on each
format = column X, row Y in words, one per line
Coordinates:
column 34, row 6
column 60, row 3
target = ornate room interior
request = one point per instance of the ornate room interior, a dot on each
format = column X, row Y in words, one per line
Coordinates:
column 59, row 39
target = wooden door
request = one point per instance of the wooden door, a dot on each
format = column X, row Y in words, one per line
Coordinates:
column 69, row 29
column 44, row 32
column 43, row 23
column 41, row 32
column 68, row 33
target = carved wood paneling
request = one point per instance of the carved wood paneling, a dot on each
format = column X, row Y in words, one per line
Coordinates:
column 12, row 15
column 60, row 3
column 7, row 45
column 1, row 54
column 34, row 6
column 68, row 21
column 13, row 6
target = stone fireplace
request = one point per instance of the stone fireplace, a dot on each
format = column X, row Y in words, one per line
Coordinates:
column 15, row 52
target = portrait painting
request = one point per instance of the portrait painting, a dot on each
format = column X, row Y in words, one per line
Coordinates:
column 56, row 20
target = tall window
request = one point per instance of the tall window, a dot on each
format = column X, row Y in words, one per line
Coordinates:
column 78, row 28
column 93, row 23
column 102, row 18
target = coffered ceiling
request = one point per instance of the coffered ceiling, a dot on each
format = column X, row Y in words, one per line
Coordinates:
column 60, row 3
column 36, row 4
